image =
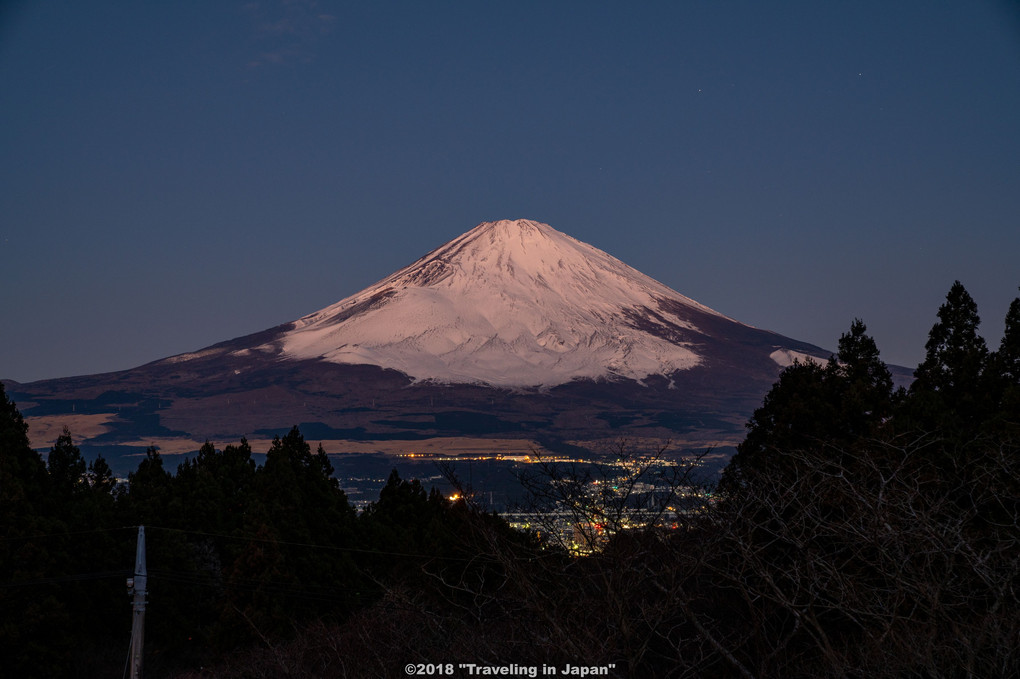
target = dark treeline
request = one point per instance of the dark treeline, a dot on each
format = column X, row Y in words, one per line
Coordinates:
column 860, row 531
column 875, row 532
column 238, row 554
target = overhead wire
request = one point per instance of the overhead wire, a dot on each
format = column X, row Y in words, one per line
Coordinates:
column 357, row 550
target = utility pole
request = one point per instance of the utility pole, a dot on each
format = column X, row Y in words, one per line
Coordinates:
column 137, row 588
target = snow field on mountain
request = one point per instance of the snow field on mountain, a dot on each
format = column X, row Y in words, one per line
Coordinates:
column 509, row 303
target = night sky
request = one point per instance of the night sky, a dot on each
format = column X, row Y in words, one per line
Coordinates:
column 174, row 174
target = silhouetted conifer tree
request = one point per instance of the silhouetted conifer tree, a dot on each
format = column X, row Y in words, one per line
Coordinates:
column 33, row 615
column 298, row 566
column 863, row 383
column 1005, row 364
column 816, row 409
column 213, row 491
column 949, row 392
column 149, row 491
column 68, row 477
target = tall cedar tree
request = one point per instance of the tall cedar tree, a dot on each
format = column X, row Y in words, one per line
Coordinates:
column 812, row 408
column 298, row 566
column 1006, row 368
column 68, row 475
column 24, row 619
column 1008, row 356
column 34, row 616
column 949, row 391
column 213, row 490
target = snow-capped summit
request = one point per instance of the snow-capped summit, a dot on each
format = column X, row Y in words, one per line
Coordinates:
column 509, row 303
column 512, row 330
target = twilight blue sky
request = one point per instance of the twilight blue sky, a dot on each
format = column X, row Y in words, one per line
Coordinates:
column 174, row 174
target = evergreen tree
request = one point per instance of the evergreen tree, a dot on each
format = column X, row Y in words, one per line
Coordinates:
column 100, row 476
column 33, row 616
column 863, row 383
column 211, row 494
column 1000, row 390
column 794, row 416
column 949, row 391
column 68, row 478
column 24, row 483
column 149, row 491
column 408, row 519
column 292, row 569
column 401, row 502
column 1006, row 366
column 23, row 479
column 299, row 485
column 815, row 410
column 1009, row 347
column 213, row 490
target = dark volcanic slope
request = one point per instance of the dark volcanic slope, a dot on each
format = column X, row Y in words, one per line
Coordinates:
column 222, row 397
column 514, row 299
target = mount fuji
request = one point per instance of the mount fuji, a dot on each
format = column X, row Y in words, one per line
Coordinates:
column 511, row 330
column 509, row 304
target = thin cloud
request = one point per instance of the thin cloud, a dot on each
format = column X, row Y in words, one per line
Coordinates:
column 287, row 31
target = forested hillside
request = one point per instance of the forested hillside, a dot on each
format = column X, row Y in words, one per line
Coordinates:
column 859, row 531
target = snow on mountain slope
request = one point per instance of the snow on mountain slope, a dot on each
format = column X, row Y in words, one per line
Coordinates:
column 509, row 303
column 784, row 358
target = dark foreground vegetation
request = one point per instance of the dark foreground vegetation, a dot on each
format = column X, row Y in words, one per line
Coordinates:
column 859, row 532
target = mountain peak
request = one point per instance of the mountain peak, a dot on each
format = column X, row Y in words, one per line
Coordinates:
column 513, row 224
column 519, row 224
column 511, row 304
column 508, row 303
column 521, row 237
column 512, row 229
column 507, row 231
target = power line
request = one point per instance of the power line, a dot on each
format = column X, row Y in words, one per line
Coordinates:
column 309, row 545
column 74, row 577
column 66, row 534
